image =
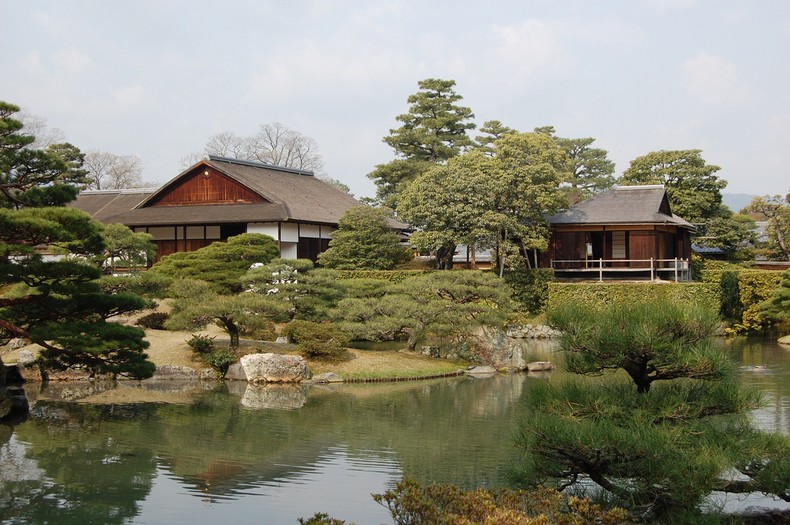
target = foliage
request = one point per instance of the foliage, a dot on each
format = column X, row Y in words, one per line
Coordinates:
column 222, row 263
column 493, row 130
column 775, row 209
column 201, row 344
column 279, row 278
column 125, row 248
column 692, row 187
column 320, row 518
column 150, row 285
column 777, row 307
column 196, row 305
column 321, row 341
column 446, row 304
column 364, row 240
column 649, row 340
column 319, row 291
column 530, row 287
column 154, row 320
column 658, row 450
column 32, row 176
column 60, row 304
column 220, row 360
column 393, row 276
column 743, row 294
column 733, row 233
column 593, row 294
column 411, row 503
column 487, row 201
column 434, row 130
column 587, row 169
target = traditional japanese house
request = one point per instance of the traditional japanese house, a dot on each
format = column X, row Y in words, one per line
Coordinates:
column 220, row 197
column 624, row 232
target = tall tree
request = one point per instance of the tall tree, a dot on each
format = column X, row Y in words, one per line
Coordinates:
column 776, row 211
column 693, row 188
column 274, row 144
column 588, row 170
column 57, row 304
column 107, row 171
column 33, row 176
column 484, row 201
column 434, row 130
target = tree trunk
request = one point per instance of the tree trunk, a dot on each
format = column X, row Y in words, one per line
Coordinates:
column 233, row 332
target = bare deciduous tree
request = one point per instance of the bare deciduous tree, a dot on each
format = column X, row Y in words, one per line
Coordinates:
column 107, row 171
column 275, row 144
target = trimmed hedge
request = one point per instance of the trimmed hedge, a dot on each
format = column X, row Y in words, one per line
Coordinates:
column 742, row 291
column 594, row 294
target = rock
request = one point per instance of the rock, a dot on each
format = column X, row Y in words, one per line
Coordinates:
column 481, row 371
column 236, row 373
column 281, row 340
column 207, row 374
column 171, row 372
column 494, row 348
column 66, row 375
column 13, row 405
column 540, row 366
column 279, row 397
column 784, row 340
column 430, row 351
column 18, row 342
column 274, row 368
column 26, row 358
column 329, row 377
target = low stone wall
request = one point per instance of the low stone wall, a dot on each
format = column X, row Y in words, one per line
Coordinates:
column 530, row 331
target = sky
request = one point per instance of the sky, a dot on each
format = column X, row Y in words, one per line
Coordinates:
column 157, row 78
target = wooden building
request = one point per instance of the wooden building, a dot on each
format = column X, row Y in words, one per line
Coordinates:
column 624, row 232
column 220, row 197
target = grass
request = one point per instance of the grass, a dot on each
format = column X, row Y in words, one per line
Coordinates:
column 374, row 365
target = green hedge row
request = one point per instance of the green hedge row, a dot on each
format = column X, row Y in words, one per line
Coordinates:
column 742, row 291
column 596, row 293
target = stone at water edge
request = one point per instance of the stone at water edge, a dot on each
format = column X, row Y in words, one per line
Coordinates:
column 236, row 373
column 540, row 366
column 784, row 340
column 481, row 371
column 275, row 368
column 328, row 377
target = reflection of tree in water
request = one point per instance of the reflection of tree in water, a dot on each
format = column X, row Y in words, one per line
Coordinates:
column 100, row 459
column 87, row 475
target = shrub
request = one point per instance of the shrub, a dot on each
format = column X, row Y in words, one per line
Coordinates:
column 154, row 320
column 599, row 294
column 322, row 341
column 149, row 285
column 201, row 344
column 220, row 360
column 530, row 287
column 410, row 502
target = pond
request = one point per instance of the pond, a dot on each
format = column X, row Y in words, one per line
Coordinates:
column 203, row 453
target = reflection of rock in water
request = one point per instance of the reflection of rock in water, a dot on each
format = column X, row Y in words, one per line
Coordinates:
column 278, row 397
column 496, row 395
column 540, row 349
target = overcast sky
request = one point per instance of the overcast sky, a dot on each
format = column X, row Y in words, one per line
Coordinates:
column 157, row 78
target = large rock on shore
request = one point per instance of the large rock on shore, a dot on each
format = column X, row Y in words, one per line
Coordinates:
column 784, row 340
column 275, row 368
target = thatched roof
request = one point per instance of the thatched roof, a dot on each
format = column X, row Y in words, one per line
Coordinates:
column 623, row 205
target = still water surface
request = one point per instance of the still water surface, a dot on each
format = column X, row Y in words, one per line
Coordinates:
column 171, row 453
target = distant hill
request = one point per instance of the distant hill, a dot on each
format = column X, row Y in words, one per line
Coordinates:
column 736, row 201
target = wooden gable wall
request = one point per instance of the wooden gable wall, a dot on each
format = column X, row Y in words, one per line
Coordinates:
column 206, row 186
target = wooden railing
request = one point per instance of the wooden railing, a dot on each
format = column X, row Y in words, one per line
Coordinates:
column 676, row 268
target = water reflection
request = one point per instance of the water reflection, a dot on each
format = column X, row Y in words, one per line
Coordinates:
column 195, row 452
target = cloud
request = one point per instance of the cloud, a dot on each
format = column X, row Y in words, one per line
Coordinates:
column 72, row 61
column 528, row 48
column 714, row 80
